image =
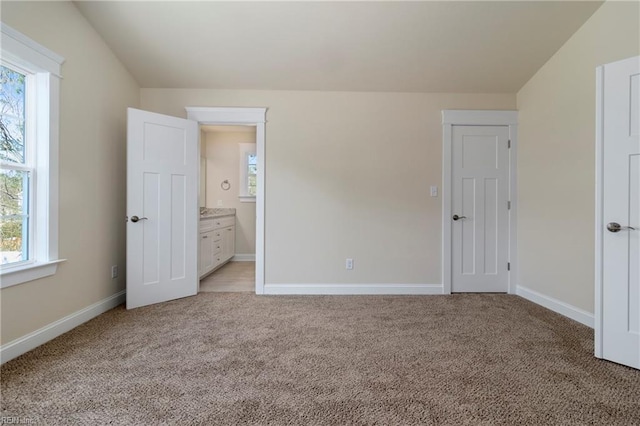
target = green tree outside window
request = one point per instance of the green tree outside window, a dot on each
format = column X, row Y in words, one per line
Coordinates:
column 14, row 182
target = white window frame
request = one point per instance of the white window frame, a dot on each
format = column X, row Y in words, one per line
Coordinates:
column 246, row 149
column 43, row 68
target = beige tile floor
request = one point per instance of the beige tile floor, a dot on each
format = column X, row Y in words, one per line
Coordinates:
column 232, row 277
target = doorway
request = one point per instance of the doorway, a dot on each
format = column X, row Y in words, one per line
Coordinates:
column 255, row 117
column 228, row 190
column 163, row 170
column 479, row 203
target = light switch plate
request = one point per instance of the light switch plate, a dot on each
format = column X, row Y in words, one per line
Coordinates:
column 434, row 191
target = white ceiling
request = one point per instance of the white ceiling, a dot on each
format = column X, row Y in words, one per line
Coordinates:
column 433, row 46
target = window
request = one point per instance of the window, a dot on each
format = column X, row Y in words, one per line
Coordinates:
column 16, row 175
column 252, row 171
column 29, row 99
column 248, row 172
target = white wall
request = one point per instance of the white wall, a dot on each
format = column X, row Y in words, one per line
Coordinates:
column 95, row 92
column 347, row 175
column 556, row 159
column 223, row 163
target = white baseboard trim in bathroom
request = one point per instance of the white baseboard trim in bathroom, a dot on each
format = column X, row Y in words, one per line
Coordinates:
column 49, row 332
column 556, row 305
column 244, row 258
column 353, row 289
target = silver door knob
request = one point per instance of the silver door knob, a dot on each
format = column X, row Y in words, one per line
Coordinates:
column 616, row 227
column 134, row 219
column 456, row 217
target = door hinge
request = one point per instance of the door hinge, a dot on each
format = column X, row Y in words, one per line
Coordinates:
column 509, row 143
column 508, row 205
column 508, row 266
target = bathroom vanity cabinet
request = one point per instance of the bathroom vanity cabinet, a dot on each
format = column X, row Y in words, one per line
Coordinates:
column 217, row 242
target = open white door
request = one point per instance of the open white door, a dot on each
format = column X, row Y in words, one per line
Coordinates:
column 618, row 234
column 162, row 208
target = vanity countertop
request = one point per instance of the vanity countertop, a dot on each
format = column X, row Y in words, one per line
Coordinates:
column 206, row 213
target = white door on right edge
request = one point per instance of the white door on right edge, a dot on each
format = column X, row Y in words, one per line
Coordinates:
column 621, row 213
column 480, row 213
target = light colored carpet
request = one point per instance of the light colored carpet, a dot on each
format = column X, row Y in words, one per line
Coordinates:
column 232, row 277
column 237, row 358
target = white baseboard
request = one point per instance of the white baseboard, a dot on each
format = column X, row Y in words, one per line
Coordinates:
column 353, row 289
column 556, row 305
column 244, row 258
column 49, row 332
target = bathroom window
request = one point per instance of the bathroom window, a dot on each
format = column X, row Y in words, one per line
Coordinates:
column 29, row 102
column 252, row 171
column 248, row 172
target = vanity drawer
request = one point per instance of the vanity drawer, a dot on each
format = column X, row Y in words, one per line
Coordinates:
column 223, row 222
column 207, row 225
column 217, row 248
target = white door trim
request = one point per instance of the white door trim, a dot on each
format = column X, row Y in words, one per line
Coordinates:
column 452, row 118
column 599, row 211
column 251, row 117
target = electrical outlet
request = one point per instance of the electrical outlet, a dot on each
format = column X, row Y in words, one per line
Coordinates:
column 219, row 203
column 434, row 191
column 114, row 271
column 349, row 264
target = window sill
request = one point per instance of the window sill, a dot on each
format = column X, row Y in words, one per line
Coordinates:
column 247, row 198
column 30, row 272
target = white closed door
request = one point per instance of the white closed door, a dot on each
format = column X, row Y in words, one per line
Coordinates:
column 480, row 210
column 162, row 208
column 621, row 212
